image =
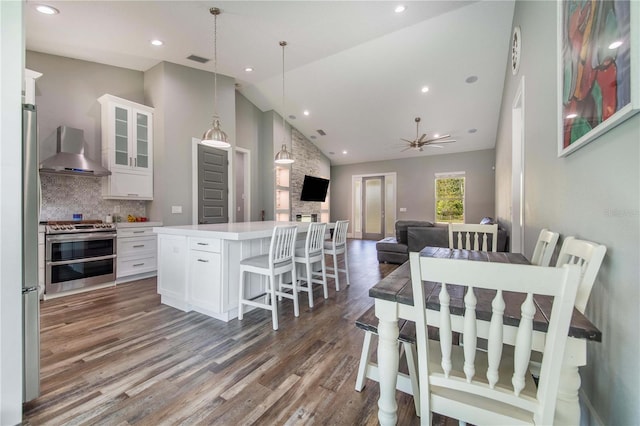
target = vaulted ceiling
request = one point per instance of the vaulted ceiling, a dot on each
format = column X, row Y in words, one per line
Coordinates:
column 358, row 67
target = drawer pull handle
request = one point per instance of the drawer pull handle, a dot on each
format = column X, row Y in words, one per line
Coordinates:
column 138, row 246
column 203, row 244
column 203, row 260
column 138, row 264
column 138, row 232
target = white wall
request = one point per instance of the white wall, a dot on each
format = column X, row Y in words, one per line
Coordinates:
column 11, row 69
column 593, row 194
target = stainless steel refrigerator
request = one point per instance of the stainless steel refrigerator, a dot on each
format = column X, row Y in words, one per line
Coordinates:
column 30, row 218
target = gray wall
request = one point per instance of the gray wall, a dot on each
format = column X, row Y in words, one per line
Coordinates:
column 183, row 98
column 415, row 182
column 593, row 194
column 68, row 92
column 248, row 127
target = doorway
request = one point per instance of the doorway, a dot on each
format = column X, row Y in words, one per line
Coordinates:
column 213, row 185
column 242, row 185
column 373, row 208
column 517, row 171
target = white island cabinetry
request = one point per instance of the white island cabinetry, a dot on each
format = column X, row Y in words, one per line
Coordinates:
column 199, row 265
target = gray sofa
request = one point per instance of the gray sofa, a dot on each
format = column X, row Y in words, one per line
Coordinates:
column 414, row 235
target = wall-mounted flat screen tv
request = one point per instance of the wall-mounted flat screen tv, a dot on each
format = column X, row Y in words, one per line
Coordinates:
column 314, row 189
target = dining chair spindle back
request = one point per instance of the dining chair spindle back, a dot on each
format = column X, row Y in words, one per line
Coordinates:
column 470, row 236
column 545, row 246
column 491, row 387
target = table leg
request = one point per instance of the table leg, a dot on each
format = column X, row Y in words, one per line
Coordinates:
column 388, row 360
column 568, row 406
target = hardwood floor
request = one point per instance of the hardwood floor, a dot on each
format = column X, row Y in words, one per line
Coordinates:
column 117, row 357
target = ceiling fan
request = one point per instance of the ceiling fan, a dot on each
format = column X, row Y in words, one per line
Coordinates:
column 420, row 142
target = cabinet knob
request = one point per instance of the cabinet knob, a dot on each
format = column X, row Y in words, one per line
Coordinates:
column 203, row 260
column 203, row 244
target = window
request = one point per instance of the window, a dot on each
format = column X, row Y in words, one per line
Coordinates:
column 450, row 197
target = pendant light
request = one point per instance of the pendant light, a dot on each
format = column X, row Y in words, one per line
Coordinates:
column 215, row 136
column 284, row 156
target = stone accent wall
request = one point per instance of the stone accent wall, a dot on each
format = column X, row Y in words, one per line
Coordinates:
column 64, row 195
column 308, row 160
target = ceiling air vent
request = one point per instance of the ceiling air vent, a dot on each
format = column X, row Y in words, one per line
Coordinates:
column 321, row 132
column 197, row 58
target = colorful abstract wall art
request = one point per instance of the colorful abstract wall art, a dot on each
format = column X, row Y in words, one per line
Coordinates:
column 597, row 77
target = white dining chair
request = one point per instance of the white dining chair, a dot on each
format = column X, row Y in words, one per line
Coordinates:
column 276, row 263
column 491, row 387
column 469, row 236
column 312, row 254
column 336, row 246
column 545, row 246
column 588, row 255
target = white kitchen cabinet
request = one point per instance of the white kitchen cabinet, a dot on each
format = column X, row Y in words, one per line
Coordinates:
column 172, row 283
column 136, row 253
column 29, row 86
column 205, row 266
column 127, row 148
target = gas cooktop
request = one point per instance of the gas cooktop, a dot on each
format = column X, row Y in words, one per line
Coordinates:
column 72, row 226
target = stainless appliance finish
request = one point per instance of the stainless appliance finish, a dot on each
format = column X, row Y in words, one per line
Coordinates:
column 70, row 158
column 30, row 299
column 79, row 255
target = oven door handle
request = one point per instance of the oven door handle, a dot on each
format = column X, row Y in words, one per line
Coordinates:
column 81, row 237
column 82, row 260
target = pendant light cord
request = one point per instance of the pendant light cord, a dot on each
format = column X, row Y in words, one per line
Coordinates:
column 283, row 44
column 215, row 64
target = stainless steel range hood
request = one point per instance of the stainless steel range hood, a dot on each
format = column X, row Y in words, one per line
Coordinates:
column 70, row 159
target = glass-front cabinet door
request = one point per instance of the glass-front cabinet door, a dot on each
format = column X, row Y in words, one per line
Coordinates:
column 121, row 151
column 143, row 131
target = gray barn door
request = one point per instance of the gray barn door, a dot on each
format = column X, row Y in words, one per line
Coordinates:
column 213, row 179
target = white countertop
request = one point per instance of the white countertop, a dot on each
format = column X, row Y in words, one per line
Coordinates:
column 231, row 231
column 136, row 224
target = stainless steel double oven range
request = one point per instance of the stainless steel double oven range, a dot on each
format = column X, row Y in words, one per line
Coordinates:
column 79, row 254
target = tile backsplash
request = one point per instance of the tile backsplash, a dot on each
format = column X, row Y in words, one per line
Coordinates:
column 64, row 195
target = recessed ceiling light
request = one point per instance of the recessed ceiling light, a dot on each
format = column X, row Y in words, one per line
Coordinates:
column 306, row 112
column 157, row 42
column 248, row 69
column 47, row 10
column 471, row 79
column 424, row 89
column 400, row 8
column 615, row 44
column 436, row 135
column 572, row 115
column 344, row 152
column 472, row 130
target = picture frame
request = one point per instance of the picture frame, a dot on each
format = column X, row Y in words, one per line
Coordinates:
column 598, row 57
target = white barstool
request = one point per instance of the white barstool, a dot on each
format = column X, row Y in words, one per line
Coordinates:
column 338, row 245
column 278, row 262
column 310, row 254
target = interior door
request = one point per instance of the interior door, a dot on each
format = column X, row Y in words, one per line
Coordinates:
column 240, row 184
column 213, row 182
column 373, row 208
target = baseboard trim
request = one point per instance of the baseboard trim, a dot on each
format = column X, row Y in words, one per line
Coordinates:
column 586, row 405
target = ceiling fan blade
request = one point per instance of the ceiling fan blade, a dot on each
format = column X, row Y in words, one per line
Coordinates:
column 421, row 137
column 449, row 141
column 434, row 146
column 406, row 140
column 407, row 148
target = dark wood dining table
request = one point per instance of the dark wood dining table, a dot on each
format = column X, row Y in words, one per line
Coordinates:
column 394, row 300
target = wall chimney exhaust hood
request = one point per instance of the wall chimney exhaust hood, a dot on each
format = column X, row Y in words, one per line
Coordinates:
column 70, row 159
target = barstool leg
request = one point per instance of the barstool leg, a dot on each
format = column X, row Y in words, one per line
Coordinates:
column 241, row 294
column 324, row 278
column 274, row 301
column 336, row 271
column 309, row 284
column 346, row 264
column 294, row 285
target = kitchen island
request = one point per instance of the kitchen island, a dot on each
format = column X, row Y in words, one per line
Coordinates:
column 199, row 265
